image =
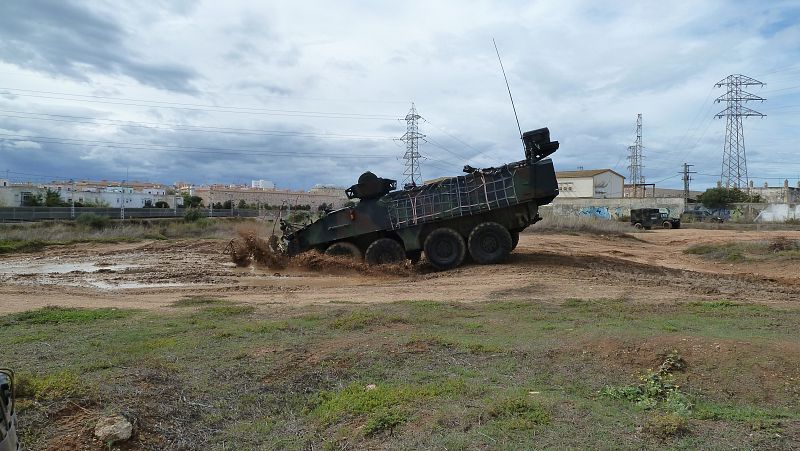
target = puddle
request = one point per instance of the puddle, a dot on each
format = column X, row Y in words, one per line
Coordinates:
column 101, row 285
column 60, row 268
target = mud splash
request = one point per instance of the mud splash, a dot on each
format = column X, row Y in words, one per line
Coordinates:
column 249, row 249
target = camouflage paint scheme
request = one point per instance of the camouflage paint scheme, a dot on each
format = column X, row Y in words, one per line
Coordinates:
column 8, row 417
column 509, row 195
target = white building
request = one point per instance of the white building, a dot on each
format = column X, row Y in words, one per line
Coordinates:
column 262, row 184
column 597, row 183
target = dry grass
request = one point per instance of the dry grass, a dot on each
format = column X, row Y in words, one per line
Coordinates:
column 580, row 224
column 65, row 232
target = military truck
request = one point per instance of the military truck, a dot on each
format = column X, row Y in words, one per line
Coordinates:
column 480, row 214
column 648, row 217
column 8, row 416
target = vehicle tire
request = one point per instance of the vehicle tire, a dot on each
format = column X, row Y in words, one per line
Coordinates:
column 489, row 243
column 344, row 249
column 667, row 225
column 514, row 240
column 385, row 251
column 638, row 226
column 445, row 248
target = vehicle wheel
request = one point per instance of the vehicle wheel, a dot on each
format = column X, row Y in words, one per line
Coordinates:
column 638, row 226
column 383, row 251
column 667, row 225
column 514, row 240
column 489, row 243
column 344, row 249
column 445, row 248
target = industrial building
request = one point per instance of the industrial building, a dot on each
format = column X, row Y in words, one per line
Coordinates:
column 592, row 183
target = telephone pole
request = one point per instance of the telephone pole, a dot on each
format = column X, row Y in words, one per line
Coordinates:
column 686, row 178
column 635, row 157
column 412, row 156
column 734, row 160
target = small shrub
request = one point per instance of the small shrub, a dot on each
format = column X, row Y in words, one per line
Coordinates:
column 666, row 426
column 93, row 221
column 384, row 419
column 655, row 388
column 192, row 215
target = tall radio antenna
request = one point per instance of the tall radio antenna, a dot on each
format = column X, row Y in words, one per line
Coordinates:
column 508, row 87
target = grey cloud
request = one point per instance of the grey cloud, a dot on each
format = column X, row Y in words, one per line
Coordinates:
column 67, row 39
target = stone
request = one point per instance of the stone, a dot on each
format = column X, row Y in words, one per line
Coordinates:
column 115, row 428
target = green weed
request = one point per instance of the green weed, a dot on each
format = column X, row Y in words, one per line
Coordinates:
column 198, row 301
column 57, row 315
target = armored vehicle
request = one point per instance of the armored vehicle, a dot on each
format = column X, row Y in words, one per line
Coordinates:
column 8, row 416
column 480, row 213
column 648, row 217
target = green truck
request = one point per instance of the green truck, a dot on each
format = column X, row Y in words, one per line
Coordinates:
column 646, row 218
column 480, row 213
column 8, row 418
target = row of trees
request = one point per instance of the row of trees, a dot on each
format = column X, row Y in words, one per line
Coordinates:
column 725, row 197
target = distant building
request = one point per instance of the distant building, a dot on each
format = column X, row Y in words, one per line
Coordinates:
column 333, row 198
column 262, row 184
column 89, row 193
column 596, row 183
column 776, row 194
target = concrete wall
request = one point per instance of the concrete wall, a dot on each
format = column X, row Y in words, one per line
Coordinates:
column 613, row 208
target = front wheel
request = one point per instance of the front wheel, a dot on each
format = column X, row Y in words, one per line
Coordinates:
column 489, row 243
column 667, row 225
column 638, row 226
column 384, row 251
column 445, row 248
column 344, row 249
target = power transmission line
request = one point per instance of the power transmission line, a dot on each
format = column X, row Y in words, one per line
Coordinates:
column 194, row 128
column 211, row 108
column 734, row 158
column 175, row 148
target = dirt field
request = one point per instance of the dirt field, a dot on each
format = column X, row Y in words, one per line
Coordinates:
column 579, row 341
column 647, row 267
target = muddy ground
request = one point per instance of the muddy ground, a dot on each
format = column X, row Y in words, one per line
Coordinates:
column 647, row 267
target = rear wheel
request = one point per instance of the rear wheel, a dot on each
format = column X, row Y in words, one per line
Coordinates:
column 638, row 226
column 383, row 251
column 344, row 249
column 489, row 243
column 514, row 240
column 667, row 225
column 445, row 248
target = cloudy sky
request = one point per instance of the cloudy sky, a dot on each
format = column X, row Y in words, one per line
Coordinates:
column 314, row 92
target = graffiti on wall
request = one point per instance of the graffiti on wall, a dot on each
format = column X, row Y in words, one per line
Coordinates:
column 601, row 212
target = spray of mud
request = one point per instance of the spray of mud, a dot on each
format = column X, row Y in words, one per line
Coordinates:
column 248, row 248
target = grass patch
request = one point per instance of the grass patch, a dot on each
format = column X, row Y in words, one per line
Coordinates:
column 779, row 248
column 57, row 385
column 227, row 310
column 511, row 375
column 198, row 301
column 360, row 319
column 519, row 413
column 58, row 315
column 11, row 246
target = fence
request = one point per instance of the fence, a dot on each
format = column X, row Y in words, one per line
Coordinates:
column 22, row 214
